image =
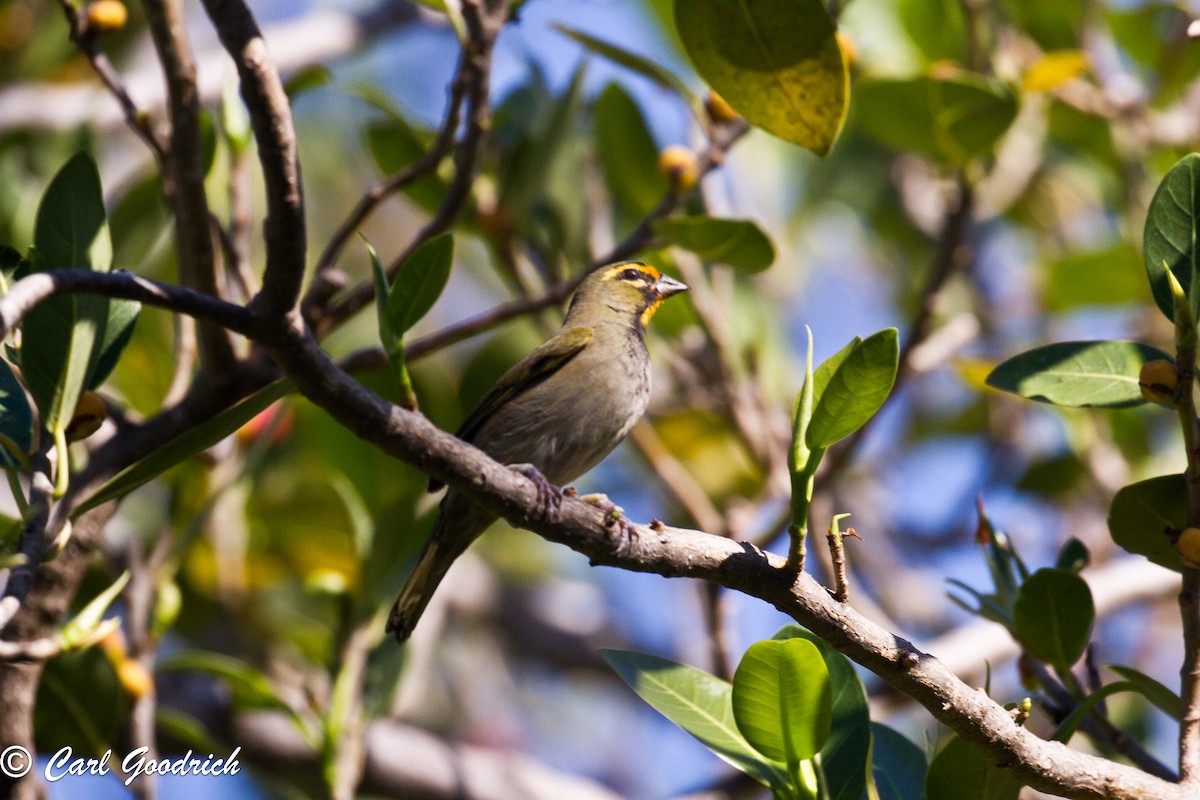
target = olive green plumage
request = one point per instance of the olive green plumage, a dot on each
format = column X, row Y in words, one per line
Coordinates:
column 561, row 409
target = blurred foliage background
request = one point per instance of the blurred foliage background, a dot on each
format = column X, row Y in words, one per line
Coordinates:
column 1046, row 126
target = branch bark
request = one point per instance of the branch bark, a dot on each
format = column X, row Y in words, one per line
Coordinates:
column 185, row 169
column 675, row 552
column 271, row 119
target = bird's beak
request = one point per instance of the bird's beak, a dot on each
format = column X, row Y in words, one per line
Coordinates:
column 665, row 287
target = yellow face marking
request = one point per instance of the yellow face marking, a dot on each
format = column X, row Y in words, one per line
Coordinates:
column 650, row 309
column 648, row 273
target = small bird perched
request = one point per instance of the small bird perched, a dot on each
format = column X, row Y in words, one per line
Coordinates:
column 554, row 415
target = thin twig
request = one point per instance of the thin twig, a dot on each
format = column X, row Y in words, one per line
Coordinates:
column 677, row 479
column 137, row 121
column 837, row 553
column 1059, row 703
column 949, row 257
column 32, row 545
column 484, row 21
column 466, row 74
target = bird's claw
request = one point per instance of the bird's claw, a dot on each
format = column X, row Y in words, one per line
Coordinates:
column 614, row 515
column 549, row 496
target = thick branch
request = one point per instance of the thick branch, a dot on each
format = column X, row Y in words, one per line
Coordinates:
column 674, row 552
column 271, row 119
column 186, row 168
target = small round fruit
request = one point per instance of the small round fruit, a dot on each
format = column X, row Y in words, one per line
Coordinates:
column 106, row 16
column 134, row 677
column 89, row 415
column 1188, row 545
column 678, row 165
column 718, row 109
column 1159, row 381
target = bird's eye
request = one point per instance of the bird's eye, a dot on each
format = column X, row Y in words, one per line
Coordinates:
column 632, row 274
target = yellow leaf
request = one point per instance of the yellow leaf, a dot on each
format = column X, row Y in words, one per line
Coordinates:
column 1054, row 69
column 974, row 372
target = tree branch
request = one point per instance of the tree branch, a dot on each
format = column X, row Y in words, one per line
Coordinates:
column 33, row 289
column 674, row 552
column 185, row 169
column 271, row 119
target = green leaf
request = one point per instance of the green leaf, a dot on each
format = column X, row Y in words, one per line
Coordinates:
column 118, row 328
column 1142, row 514
column 845, row 756
column 1053, row 616
column 1097, row 277
column 419, row 282
column 208, row 139
column 71, row 228
column 1073, row 556
column 82, row 625
column 739, row 243
column 856, row 388
column 394, row 144
column 61, row 336
column 1078, row 374
column 307, row 79
column 16, row 420
column 251, row 689
column 937, row 27
column 952, row 119
column 1169, row 241
column 897, row 764
column 388, row 336
column 189, row 443
column 632, row 61
column 627, row 153
column 783, row 700
column 960, row 772
column 1067, row 728
column 699, row 703
column 830, row 366
column 1163, row 698
column 235, row 119
column 778, row 64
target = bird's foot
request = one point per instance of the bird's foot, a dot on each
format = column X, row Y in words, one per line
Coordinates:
column 614, row 515
column 549, row 496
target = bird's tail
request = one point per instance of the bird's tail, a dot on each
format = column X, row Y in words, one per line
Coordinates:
column 444, row 546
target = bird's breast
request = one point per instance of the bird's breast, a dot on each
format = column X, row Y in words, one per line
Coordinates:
column 570, row 422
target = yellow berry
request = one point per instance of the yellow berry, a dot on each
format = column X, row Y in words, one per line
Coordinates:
column 106, row 16
column 134, row 677
column 1159, row 381
column 1188, row 545
column 89, row 415
column 718, row 109
column 678, row 165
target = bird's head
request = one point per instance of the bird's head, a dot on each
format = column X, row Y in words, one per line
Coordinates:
column 628, row 290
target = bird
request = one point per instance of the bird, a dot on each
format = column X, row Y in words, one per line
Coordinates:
column 553, row 415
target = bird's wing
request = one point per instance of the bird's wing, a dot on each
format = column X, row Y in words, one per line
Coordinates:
column 531, row 370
